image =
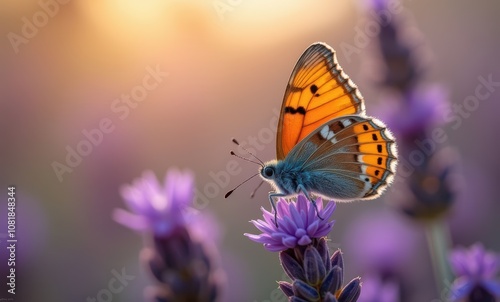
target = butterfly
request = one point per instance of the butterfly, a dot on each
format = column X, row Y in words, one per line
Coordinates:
column 325, row 144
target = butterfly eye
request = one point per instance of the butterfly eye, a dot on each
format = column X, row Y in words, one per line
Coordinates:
column 269, row 172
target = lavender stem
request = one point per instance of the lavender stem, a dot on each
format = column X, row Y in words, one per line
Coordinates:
column 439, row 242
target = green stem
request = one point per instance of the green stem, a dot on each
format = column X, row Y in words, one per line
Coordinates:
column 439, row 241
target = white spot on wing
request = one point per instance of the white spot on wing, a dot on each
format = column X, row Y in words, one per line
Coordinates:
column 363, row 169
column 324, row 131
column 367, row 185
column 346, row 122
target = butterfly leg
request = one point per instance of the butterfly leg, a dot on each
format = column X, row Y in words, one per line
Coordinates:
column 304, row 191
column 271, row 196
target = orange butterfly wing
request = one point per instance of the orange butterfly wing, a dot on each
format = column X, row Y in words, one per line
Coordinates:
column 318, row 91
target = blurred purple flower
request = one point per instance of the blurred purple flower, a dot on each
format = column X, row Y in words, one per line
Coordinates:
column 475, row 269
column 377, row 290
column 396, row 45
column 415, row 117
column 156, row 207
column 298, row 224
column 382, row 243
column 378, row 5
column 32, row 247
column 181, row 254
column 430, row 188
column 415, row 114
column 422, row 108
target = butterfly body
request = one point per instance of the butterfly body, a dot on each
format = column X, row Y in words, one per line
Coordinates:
column 326, row 145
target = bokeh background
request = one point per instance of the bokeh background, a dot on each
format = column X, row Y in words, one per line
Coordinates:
column 228, row 63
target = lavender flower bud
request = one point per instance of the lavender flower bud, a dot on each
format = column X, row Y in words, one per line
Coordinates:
column 314, row 266
column 351, row 291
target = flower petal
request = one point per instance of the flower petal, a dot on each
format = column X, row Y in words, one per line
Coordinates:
column 179, row 187
column 155, row 206
column 304, row 240
column 289, row 241
column 297, row 219
column 298, row 223
column 132, row 221
column 493, row 287
column 460, row 288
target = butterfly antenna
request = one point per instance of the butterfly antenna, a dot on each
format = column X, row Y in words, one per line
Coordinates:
column 231, row 191
column 246, row 150
column 255, row 190
column 245, row 159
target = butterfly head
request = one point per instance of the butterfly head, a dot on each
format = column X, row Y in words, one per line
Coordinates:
column 268, row 170
column 279, row 175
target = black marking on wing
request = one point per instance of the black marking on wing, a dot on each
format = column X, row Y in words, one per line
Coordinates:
column 300, row 110
column 314, row 88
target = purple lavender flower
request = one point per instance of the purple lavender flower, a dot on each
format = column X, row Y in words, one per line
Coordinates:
column 430, row 190
column 414, row 117
column 180, row 254
column 155, row 207
column 383, row 244
column 422, row 108
column 298, row 224
column 428, row 171
column 316, row 276
column 475, row 270
column 402, row 70
column 301, row 240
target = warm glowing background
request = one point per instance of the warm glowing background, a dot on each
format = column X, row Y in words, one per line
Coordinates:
column 226, row 74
